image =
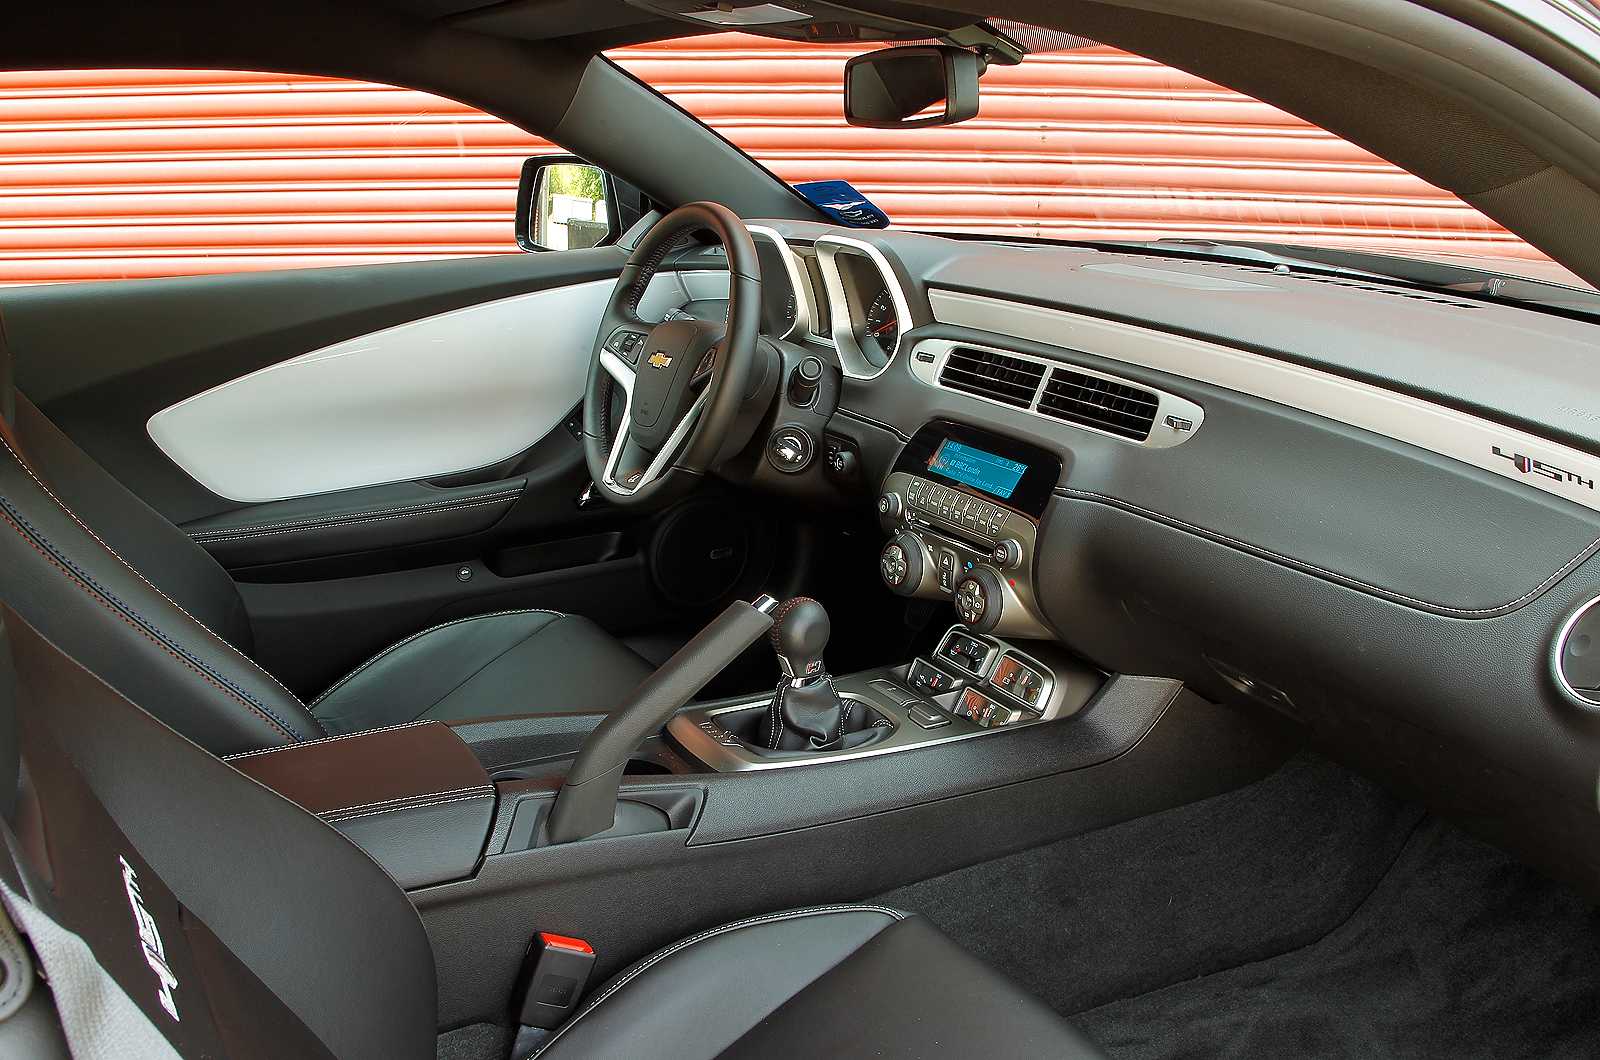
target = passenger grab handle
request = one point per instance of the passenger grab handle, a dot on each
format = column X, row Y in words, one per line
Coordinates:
column 587, row 802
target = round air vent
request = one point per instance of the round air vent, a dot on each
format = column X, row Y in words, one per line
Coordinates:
column 1577, row 655
column 699, row 554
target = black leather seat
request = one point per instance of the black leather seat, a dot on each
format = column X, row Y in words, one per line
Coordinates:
column 103, row 575
column 282, row 939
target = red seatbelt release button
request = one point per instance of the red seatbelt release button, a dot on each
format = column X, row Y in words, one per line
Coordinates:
column 557, row 971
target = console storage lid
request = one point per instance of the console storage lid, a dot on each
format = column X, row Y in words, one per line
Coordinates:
column 413, row 796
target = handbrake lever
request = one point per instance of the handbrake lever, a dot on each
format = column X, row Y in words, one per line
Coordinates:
column 587, row 802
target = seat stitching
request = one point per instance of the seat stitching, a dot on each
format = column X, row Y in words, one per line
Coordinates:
column 107, row 598
column 400, row 644
column 115, row 555
column 329, row 739
column 271, row 529
column 649, row 962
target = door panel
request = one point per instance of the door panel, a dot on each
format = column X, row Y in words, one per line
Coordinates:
column 332, row 577
column 446, row 393
column 360, row 520
column 101, row 359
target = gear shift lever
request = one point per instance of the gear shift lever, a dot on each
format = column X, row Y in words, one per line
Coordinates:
column 807, row 713
column 799, row 633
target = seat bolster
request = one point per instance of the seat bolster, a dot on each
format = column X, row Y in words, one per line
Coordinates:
column 148, row 542
column 692, row 1000
column 510, row 662
column 912, row 993
column 84, row 597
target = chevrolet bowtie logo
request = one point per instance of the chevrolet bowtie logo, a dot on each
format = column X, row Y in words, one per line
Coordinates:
column 659, row 359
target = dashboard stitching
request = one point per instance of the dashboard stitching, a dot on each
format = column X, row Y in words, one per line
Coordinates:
column 869, row 421
column 1344, row 579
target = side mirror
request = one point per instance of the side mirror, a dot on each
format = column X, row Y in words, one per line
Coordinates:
column 564, row 203
column 887, row 89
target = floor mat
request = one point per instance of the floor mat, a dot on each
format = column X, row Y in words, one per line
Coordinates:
column 1309, row 915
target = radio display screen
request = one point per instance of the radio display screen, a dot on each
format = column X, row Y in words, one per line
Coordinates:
column 974, row 467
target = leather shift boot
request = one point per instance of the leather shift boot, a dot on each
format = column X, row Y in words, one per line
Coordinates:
column 814, row 717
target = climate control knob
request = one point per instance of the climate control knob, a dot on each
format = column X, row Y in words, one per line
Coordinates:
column 979, row 599
column 1008, row 555
column 901, row 564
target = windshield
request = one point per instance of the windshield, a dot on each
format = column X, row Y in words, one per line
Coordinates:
column 1086, row 143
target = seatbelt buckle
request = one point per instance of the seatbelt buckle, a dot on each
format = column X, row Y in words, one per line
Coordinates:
column 557, row 971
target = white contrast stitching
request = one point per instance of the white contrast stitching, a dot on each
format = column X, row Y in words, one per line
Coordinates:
column 153, row 587
column 386, row 805
column 649, row 962
column 1378, row 590
column 336, row 817
column 397, row 646
column 330, row 521
column 329, row 739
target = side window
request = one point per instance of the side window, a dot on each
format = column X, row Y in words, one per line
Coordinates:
column 114, row 174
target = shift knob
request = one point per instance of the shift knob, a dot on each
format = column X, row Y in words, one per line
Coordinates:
column 799, row 634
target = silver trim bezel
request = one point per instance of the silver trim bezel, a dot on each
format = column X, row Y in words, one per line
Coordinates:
column 1558, row 647
column 852, row 361
column 1167, row 404
column 619, row 370
column 1401, row 417
column 800, row 284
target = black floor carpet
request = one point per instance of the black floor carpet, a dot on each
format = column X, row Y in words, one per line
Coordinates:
column 1309, row 915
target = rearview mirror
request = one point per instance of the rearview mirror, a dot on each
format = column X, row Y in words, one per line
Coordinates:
column 896, row 88
column 564, row 203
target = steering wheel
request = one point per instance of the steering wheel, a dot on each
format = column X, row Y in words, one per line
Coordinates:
column 683, row 381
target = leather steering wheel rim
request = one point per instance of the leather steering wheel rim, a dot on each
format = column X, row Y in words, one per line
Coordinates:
column 717, row 407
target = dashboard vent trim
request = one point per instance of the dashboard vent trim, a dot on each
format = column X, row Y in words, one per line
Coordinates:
column 1094, row 401
column 1005, row 378
column 1058, row 390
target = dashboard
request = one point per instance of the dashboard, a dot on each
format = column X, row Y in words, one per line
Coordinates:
column 1365, row 513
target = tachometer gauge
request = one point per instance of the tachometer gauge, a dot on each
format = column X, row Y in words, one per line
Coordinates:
column 883, row 325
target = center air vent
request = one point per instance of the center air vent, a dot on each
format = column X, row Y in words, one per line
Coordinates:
column 1117, row 408
column 1011, row 380
column 1061, row 390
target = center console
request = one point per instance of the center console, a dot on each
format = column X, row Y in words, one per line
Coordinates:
column 971, row 684
column 962, row 507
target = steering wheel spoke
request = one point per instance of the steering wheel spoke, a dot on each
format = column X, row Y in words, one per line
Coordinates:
column 685, row 389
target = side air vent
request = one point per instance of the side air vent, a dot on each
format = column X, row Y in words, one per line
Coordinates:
column 1010, row 380
column 1116, row 408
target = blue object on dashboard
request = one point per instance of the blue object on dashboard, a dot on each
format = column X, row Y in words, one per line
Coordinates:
column 844, row 203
